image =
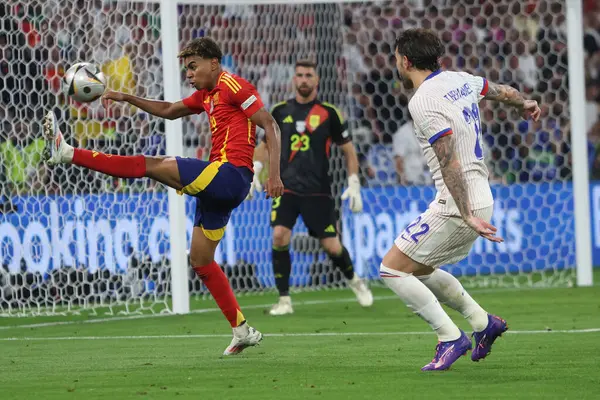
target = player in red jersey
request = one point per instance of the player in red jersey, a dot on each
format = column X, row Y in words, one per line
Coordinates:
column 234, row 109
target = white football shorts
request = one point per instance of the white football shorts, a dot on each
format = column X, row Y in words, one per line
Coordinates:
column 436, row 239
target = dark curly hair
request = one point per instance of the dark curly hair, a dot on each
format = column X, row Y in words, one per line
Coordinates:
column 202, row 47
column 422, row 47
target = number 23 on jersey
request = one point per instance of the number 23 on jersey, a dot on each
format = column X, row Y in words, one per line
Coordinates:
column 299, row 142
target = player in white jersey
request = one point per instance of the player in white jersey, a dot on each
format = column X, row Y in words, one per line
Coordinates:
column 445, row 111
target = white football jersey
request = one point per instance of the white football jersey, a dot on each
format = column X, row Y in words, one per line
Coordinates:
column 447, row 103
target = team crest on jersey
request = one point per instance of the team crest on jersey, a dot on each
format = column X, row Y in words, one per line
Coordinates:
column 300, row 126
column 214, row 100
column 314, row 121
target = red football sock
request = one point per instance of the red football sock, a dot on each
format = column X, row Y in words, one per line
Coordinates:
column 218, row 285
column 118, row 166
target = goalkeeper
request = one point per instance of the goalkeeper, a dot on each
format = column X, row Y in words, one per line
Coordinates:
column 308, row 127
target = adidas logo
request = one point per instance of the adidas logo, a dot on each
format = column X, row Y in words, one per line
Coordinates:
column 330, row 229
column 288, row 120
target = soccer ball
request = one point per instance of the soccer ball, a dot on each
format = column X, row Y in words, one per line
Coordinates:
column 84, row 82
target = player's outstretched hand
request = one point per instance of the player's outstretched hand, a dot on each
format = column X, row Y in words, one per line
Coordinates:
column 274, row 187
column 111, row 95
column 352, row 193
column 531, row 109
column 484, row 228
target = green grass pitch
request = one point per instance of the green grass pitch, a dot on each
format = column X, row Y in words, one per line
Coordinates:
column 329, row 349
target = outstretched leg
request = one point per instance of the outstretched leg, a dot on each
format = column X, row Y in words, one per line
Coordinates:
column 58, row 151
column 166, row 171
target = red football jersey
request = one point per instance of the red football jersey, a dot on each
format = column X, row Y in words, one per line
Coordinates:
column 229, row 107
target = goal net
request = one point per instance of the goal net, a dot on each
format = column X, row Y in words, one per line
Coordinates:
column 71, row 239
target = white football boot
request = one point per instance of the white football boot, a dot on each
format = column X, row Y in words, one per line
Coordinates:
column 57, row 150
column 243, row 336
column 283, row 307
column 361, row 290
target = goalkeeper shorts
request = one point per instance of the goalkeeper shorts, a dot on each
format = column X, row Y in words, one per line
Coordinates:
column 318, row 214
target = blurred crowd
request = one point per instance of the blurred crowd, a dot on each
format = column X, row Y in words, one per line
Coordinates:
column 520, row 43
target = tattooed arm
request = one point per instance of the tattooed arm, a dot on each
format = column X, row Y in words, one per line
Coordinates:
column 512, row 97
column 452, row 173
column 504, row 94
column 456, row 184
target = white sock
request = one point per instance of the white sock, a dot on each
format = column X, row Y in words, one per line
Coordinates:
column 450, row 292
column 67, row 150
column 422, row 301
column 241, row 331
column 67, row 155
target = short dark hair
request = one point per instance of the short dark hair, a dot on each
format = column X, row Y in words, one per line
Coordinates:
column 422, row 47
column 306, row 63
column 202, row 47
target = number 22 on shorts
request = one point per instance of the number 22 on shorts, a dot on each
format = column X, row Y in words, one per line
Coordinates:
column 409, row 235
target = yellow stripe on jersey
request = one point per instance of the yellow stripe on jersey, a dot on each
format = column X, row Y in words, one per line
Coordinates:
column 224, row 148
column 281, row 103
column 204, row 179
column 337, row 110
column 249, row 130
column 232, row 83
column 213, row 234
column 232, row 80
column 230, row 86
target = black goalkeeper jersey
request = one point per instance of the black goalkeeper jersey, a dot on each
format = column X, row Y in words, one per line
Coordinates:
column 307, row 131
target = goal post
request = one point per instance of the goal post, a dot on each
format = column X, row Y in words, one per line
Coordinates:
column 581, row 186
column 174, row 140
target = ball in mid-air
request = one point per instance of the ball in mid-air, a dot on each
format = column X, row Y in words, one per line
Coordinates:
column 84, row 82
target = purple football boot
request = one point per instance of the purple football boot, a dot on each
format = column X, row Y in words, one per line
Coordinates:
column 483, row 340
column 446, row 353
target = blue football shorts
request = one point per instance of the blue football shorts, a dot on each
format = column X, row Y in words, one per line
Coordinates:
column 218, row 187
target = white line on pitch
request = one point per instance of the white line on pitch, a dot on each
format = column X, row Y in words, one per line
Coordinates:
column 214, row 309
column 199, row 311
column 307, row 334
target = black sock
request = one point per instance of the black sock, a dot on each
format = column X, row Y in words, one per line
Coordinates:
column 343, row 263
column 282, row 266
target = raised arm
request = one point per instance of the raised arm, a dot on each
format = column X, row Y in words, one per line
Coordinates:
column 163, row 109
column 512, row 97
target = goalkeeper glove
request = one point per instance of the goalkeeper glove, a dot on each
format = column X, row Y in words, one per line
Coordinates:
column 255, row 186
column 352, row 193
